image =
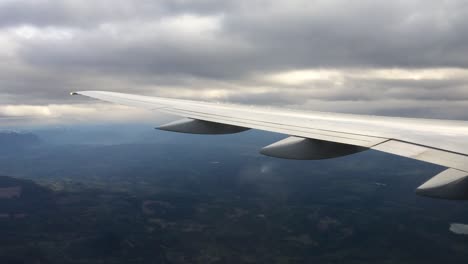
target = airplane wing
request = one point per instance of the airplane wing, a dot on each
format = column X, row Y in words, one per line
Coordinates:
column 321, row 135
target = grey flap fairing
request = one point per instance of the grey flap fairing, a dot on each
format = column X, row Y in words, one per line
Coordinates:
column 194, row 126
column 449, row 184
column 308, row 149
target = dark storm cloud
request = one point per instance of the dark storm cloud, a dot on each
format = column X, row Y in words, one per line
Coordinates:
column 169, row 47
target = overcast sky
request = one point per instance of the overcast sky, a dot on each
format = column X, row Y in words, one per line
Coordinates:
column 379, row 57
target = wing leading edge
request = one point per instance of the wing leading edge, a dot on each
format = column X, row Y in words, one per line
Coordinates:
column 319, row 135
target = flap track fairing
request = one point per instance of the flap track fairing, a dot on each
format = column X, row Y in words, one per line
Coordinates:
column 309, row 149
column 450, row 184
column 195, row 126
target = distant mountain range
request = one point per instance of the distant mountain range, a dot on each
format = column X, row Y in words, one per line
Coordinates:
column 12, row 140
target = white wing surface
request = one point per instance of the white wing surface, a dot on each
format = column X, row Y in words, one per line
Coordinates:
column 319, row 135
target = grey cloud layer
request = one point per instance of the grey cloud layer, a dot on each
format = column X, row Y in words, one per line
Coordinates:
column 85, row 14
column 156, row 47
column 256, row 35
